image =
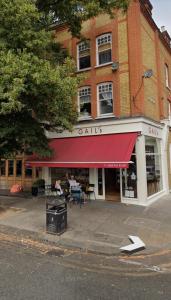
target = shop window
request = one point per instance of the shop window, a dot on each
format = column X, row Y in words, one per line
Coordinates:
column 104, row 49
column 2, row 167
column 84, row 55
column 105, row 98
column 81, row 175
column 28, row 171
column 167, row 76
column 129, row 179
column 10, row 167
column 153, row 165
column 85, row 102
column 19, row 168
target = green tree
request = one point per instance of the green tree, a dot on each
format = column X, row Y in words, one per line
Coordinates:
column 36, row 80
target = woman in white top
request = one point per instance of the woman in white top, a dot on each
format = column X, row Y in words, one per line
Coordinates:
column 72, row 181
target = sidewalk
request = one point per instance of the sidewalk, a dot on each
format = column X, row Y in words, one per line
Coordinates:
column 99, row 226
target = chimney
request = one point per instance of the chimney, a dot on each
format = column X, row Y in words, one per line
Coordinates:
column 163, row 28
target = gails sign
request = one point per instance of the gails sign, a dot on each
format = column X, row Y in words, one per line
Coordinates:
column 89, row 131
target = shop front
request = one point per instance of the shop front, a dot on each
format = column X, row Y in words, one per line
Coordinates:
column 124, row 159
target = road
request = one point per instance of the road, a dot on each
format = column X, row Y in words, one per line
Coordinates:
column 32, row 270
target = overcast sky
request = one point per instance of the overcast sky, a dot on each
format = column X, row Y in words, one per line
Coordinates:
column 162, row 13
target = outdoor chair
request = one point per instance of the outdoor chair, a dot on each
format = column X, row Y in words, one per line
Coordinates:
column 90, row 190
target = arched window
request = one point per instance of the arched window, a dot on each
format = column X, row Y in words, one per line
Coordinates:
column 104, row 48
column 105, row 98
column 83, row 54
column 84, row 101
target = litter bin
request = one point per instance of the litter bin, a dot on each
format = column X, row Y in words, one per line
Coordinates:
column 56, row 215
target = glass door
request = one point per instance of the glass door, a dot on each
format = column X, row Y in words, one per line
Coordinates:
column 100, row 183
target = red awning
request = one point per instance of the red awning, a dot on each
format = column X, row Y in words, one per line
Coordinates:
column 102, row 151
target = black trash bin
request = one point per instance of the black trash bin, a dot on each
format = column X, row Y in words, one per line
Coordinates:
column 56, row 215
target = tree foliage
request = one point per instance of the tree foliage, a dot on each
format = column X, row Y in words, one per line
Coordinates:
column 36, row 80
column 73, row 12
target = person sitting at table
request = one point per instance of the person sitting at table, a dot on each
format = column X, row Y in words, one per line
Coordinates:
column 58, row 187
column 73, row 182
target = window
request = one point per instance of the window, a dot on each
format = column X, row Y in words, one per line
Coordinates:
column 104, row 49
column 105, row 95
column 2, row 168
column 85, row 102
column 28, row 171
column 169, row 109
column 153, row 165
column 10, row 168
column 18, row 168
column 129, row 178
column 84, row 55
column 167, row 75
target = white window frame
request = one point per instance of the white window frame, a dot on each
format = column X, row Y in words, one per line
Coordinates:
column 167, row 76
column 100, row 39
column 169, row 109
column 98, row 98
column 87, row 90
column 82, row 45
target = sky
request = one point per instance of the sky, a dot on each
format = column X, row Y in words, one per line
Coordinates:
column 162, row 13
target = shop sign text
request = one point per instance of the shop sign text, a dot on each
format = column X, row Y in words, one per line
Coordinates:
column 153, row 131
column 90, row 131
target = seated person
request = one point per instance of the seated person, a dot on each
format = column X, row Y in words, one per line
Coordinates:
column 58, row 187
column 73, row 182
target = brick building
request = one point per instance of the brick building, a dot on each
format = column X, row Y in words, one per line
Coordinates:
column 121, row 142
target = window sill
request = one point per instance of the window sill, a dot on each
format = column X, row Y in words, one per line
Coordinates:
column 83, row 70
column 105, row 116
column 85, row 118
column 104, row 65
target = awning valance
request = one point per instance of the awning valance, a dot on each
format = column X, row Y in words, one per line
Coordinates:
column 102, row 151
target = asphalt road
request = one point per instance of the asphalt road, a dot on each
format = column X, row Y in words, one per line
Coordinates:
column 30, row 270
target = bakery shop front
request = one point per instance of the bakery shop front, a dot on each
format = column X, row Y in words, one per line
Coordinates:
column 124, row 159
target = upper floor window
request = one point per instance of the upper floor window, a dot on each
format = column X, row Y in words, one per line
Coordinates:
column 105, row 98
column 85, row 101
column 167, row 75
column 104, row 49
column 84, row 55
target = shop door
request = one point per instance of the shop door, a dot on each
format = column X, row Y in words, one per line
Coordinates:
column 112, row 185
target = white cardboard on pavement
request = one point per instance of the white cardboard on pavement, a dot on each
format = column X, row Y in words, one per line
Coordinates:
column 137, row 244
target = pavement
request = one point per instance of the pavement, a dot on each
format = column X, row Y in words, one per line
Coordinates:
column 98, row 227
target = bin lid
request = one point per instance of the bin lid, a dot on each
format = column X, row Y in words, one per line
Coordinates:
column 51, row 200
